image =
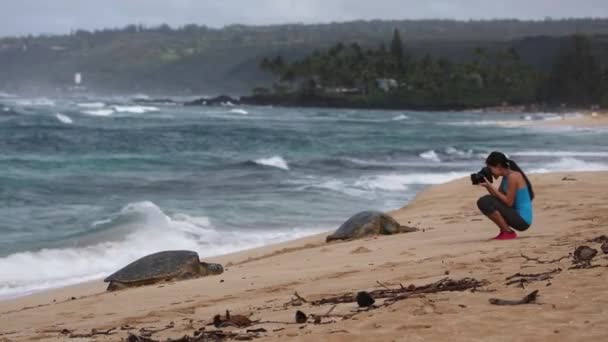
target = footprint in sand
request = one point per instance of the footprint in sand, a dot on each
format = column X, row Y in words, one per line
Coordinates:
column 424, row 310
column 414, row 327
column 360, row 250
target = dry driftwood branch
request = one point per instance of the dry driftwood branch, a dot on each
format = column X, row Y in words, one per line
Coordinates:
column 339, row 331
column 599, row 239
column 203, row 336
column 300, row 297
column 393, row 295
column 545, row 261
column 94, row 332
column 534, row 275
column 330, row 310
column 275, row 322
column 529, row 299
column 529, row 278
column 382, row 285
column 135, row 338
column 146, row 332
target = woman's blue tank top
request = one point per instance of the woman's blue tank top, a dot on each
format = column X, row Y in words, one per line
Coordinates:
column 523, row 202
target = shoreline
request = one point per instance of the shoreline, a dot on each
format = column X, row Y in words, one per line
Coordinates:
column 452, row 242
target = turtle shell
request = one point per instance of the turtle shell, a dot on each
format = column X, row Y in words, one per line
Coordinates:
column 364, row 223
column 159, row 265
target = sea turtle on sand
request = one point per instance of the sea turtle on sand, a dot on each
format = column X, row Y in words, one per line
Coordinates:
column 368, row 223
column 159, row 267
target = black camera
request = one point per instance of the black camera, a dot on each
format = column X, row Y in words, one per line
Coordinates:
column 479, row 177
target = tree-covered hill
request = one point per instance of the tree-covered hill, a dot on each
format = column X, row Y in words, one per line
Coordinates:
column 198, row 59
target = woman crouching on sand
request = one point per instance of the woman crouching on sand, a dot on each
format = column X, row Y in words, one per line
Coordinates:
column 510, row 206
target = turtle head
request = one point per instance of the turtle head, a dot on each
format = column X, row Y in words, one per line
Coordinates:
column 213, row 269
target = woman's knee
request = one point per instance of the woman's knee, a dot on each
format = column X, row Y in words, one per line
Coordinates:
column 486, row 204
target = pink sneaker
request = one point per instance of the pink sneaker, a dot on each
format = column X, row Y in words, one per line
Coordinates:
column 506, row 236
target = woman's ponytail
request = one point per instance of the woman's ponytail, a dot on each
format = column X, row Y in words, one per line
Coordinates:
column 513, row 166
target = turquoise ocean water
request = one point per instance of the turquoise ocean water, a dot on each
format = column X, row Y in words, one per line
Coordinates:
column 89, row 184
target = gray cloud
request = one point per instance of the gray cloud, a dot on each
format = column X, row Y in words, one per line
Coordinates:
column 19, row 17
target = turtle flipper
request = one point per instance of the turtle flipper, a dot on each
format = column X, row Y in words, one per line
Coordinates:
column 212, row 269
column 116, row 286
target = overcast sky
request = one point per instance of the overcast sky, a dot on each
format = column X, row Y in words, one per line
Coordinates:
column 19, row 17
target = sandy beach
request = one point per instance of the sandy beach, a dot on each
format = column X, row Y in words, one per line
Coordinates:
column 593, row 119
column 453, row 242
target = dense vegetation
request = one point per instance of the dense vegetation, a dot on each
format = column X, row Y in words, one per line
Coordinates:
column 348, row 75
column 198, row 59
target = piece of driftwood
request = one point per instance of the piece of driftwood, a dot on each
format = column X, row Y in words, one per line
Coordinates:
column 237, row 321
column 148, row 332
column 94, row 332
column 393, row 295
column 339, row 332
column 545, row 261
column 135, row 338
column 529, row 299
column 203, row 336
column 300, row 297
column 522, row 278
column 255, row 331
column 599, row 239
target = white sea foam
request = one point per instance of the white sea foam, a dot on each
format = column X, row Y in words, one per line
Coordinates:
column 498, row 123
column 570, row 164
column 276, row 161
column 461, row 153
column 560, row 154
column 99, row 112
column 64, row 118
column 430, row 155
column 7, row 95
column 91, row 105
column 340, row 187
column 150, row 230
column 401, row 117
column 135, row 109
column 400, row 182
column 239, row 111
column 38, row 102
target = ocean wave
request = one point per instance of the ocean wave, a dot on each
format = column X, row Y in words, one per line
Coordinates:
column 430, row 155
column 570, row 164
column 38, row 102
column 336, row 185
column 400, row 182
column 401, row 117
column 135, row 109
column 276, row 161
column 64, row 118
column 149, row 230
column 498, row 123
column 456, row 152
column 239, row 111
column 560, row 154
column 99, row 112
column 91, row 105
column 7, row 95
column 367, row 186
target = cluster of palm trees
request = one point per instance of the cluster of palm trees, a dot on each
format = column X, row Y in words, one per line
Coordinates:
column 488, row 78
